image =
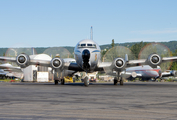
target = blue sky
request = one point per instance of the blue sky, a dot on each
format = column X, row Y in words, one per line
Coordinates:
column 49, row 23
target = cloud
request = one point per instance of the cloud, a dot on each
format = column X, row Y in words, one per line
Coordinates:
column 167, row 31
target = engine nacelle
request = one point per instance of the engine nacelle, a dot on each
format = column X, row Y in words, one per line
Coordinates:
column 154, row 60
column 119, row 64
column 23, row 60
column 57, row 63
column 174, row 73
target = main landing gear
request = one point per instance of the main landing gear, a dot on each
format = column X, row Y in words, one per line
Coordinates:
column 61, row 80
column 56, row 82
column 120, row 80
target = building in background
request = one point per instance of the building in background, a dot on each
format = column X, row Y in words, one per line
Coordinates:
column 34, row 73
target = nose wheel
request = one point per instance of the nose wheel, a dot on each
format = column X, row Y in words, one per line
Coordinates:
column 86, row 81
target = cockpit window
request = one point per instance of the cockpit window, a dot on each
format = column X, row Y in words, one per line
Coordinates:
column 86, row 45
column 94, row 45
column 89, row 45
column 83, row 45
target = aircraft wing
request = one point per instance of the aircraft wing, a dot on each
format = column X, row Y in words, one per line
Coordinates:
column 168, row 59
column 149, row 61
column 131, row 63
column 8, row 59
column 145, row 61
column 136, row 62
column 24, row 60
column 31, row 61
column 40, row 62
column 169, row 73
column 119, row 64
column 10, row 68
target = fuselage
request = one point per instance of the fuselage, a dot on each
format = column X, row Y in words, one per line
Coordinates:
column 87, row 54
column 146, row 71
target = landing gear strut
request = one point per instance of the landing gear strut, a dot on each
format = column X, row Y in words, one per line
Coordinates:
column 121, row 81
column 118, row 78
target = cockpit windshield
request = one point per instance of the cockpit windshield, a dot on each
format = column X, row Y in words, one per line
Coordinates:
column 88, row 45
column 83, row 45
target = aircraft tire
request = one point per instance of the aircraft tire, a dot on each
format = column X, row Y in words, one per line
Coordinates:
column 74, row 79
column 115, row 81
column 62, row 81
column 121, row 82
column 86, row 81
column 56, row 82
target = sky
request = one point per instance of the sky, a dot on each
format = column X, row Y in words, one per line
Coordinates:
column 52, row 23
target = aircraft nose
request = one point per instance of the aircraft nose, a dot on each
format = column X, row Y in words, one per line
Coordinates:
column 85, row 54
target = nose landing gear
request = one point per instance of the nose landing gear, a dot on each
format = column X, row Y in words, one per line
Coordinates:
column 86, row 81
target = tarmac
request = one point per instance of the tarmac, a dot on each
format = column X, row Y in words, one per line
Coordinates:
column 99, row 101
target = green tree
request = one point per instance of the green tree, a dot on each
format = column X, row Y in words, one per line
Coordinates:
column 174, row 64
column 112, row 44
column 136, row 48
column 103, row 52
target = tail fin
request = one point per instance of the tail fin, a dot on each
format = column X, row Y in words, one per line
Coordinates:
column 91, row 34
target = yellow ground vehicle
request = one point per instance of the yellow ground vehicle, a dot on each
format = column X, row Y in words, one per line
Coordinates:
column 68, row 79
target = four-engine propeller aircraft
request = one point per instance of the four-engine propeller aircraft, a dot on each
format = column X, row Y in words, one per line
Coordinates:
column 87, row 54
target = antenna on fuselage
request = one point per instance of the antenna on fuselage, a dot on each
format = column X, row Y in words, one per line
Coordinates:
column 91, row 34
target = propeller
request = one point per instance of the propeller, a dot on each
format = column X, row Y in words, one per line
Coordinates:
column 159, row 50
column 13, row 52
column 118, row 54
column 118, row 51
column 21, row 58
column 58, row 52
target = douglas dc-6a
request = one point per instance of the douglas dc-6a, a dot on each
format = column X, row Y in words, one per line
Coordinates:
column 87, row 54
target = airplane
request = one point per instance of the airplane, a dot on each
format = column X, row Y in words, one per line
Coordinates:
column 87, row 58
column 3, row 73
column 7, row 70
column 146, row 72
column 8, row 67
